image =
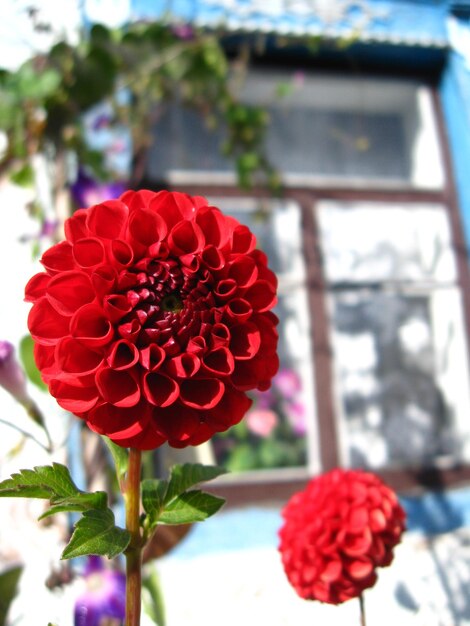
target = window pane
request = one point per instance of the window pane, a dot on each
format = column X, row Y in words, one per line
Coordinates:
column 402, row 378
column 375, row 242
column 324, row 130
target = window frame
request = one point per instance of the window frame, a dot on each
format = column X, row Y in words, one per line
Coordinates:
column 277, row 486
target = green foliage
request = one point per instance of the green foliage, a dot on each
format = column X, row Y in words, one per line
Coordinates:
column 174, row 502
column 96, row 533
column 120, row 457
column 26, row 352
column 41, row 103
column 153, row 598
column 8, row 589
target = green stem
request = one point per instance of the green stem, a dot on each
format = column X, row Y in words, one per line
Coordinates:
column 134, row 550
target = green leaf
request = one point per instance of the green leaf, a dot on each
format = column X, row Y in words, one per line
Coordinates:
column 53, row 483
column 189, row 507
column 120, row 457
column 96, row 533
column 153, row 598
column 24, row 177
column 182, row 477
column 26, row 352
column 153, row 498
column 8, row 588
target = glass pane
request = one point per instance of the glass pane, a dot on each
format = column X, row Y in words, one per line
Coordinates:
column 395, row 355
column 374, row 242
column 324, row 129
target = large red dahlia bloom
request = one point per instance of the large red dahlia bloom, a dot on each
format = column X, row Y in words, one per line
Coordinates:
column 152, row 319
column 337, row 532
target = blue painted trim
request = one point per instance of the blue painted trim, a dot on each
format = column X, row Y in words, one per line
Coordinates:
column 455, row 97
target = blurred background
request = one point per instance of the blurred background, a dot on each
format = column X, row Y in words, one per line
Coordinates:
column 339, row 131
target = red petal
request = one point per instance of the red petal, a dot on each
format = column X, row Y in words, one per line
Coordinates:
column 184, row 366
column 219, row 362
column 165, row 205
column 360, row 569
column 214, row 225
column 147, row 227
column 116, row 307
column 160, row 390
column 123, row 355
column 122, row 252
column 186, row 238
column 238, row 310
column 75, row 358
column 244, row 271
column 245, row 341
column 91, row 326
column 68, row 291
column 261, row 296
column 225, row 289
column 212, row 258
column 103, row 279
column 107, row 219
column 202, row 393
column 178, row 423
column 152, row 357
column 243, row 240
column 45, row 324
column 58, row 258
column 88, row 252
column 75, row 227
column 36, row 287
column 118, row 387
column 77, row 399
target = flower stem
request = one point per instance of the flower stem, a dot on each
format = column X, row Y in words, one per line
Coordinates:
column 362, row 610
column 134, row 550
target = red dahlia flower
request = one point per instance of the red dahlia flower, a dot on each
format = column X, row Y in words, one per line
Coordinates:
column 153, row 319
column 337, row 532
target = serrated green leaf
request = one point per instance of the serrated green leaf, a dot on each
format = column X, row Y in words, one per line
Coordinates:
column 45, row 481
column 153, row 498
column 53, row 483
column 8, row 588
column 120, row 457
column 96, row 533
column 80, row 503
column 26, row 352
column 189, row 507
column 182, row 477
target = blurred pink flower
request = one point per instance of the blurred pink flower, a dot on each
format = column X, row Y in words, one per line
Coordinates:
column 287, row 382
column 261, row 422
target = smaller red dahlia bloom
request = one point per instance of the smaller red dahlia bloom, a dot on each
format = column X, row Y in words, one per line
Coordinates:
column 153, row 318
column 337, row 532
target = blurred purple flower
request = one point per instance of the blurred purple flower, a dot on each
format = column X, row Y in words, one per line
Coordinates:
column 183, row 31
column 86, row 191
column 104, row 600
column 287, row 382
column 12, row 377
column 296, row 416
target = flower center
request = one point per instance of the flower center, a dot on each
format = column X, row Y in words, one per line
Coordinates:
column 171, row 303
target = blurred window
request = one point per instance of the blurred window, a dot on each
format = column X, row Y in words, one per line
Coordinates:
column 325, row 130
column 398, row 339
